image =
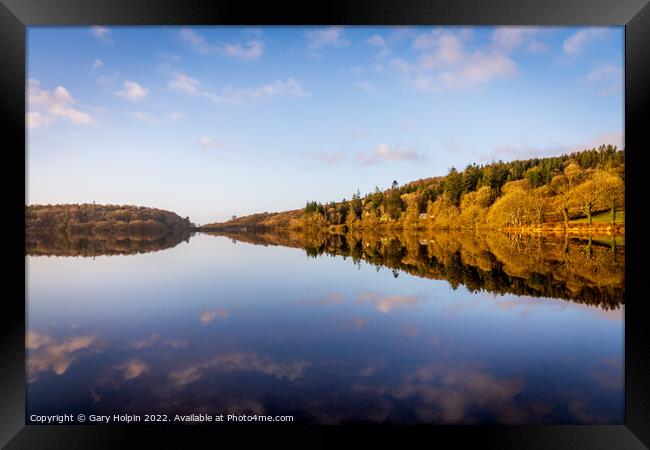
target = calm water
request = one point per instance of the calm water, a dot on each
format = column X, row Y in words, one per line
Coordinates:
column 217, row 326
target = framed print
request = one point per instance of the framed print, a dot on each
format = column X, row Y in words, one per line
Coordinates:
column 401, row 220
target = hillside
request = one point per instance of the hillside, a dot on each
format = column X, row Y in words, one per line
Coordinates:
column 263, row 220
column 89, row 229
column 536, row 194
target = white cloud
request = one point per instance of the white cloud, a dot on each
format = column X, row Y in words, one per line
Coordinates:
column 605, row 72
column 427, row 40
column 188, row 85
column 176, row 115
column 395, row 154
column 376, row 40
column 253, row 49
column 101, row 77
column 101, row 33
column 365, row 87
column 132, row 91
column 384, row 152
column 208, row 142
column 402, row 66
column 444, row 62
column 331, row 36
column 478, row 69
column 576, row 43
column 249, row 51
column 184, row 83
column 448, row 50
column 144, row 117
column 380, row 43
column 97, row 65
column 616, row 138
column 523, row 150
column 510, row 38
column 607, row 78
column 197, row 41
column 289, row 87
column 36, row 119
column 45, row 107
column 537, row 46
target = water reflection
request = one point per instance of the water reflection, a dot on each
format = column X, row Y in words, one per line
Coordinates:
column 232, row 329
column 237, row 362
column 47, row 354
column 64, row 244
column 581, row 270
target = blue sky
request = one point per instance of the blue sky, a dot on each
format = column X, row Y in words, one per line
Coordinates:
column 214, row 121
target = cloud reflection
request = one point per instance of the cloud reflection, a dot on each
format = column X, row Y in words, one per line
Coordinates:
column 207, row 317
column 454, row 395
column 386, row 303
column 236, row 362
column 47, row 354
column 132, row 368
column 156, row 338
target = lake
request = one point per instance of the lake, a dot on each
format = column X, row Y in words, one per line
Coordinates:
column 441, row 329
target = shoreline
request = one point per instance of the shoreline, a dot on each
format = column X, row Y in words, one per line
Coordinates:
column 552, row 228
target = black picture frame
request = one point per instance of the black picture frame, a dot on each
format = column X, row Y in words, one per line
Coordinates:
column 16, row 15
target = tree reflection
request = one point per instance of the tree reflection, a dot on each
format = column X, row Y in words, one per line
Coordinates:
column 584, row 271
column 64, row 244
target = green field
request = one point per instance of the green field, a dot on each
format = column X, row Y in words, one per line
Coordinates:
column 604, row 217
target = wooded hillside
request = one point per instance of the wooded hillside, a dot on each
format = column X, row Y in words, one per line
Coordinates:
column 516, row 194
column 90, row 220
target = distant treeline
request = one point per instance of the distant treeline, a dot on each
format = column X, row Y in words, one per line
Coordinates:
column 520, row 193
column 89, row 229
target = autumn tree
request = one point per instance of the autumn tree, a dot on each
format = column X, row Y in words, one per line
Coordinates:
column 573, row 173
column 512, row 209
column 538, row 199
column 560, row 186
column 356, row 208
column 586, row 196
column 611, row 190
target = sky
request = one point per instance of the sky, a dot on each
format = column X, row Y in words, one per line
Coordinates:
column 214, row 121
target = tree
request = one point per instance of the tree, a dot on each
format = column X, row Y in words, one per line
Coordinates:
column 356, row 207
column 343, row 210
column 511, row 209
column 311, row 207
column 572, row 173
column 560, row 187
column 495, row 175
column 454, row 186
column 538, row 203
column 393, row 204
column 586, row 196
column 471, row 176
column 534, row 176
column 611, row 189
